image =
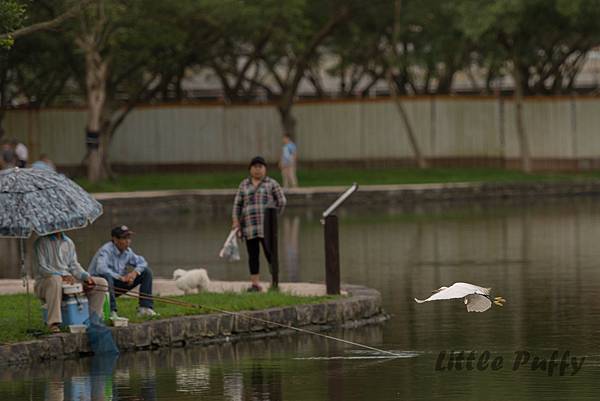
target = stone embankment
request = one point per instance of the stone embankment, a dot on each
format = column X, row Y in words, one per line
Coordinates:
column 217, row 199
column 361, row 306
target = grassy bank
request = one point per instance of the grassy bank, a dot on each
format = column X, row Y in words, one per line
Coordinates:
column 325, row 177
column 13, row 309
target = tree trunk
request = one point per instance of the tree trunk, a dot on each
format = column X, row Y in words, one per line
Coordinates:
column 3, row 100
column 107, row 135
column 288, row 122
column 96, row 73
column 96, row 170
column 521, row 133
column 297, row 70
column 419, row 158
column 421, row 161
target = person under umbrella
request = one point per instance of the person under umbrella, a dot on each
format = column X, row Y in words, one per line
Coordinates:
column 43, row 202
column 56, row 263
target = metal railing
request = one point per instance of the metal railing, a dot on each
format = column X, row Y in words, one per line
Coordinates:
column 338, row 202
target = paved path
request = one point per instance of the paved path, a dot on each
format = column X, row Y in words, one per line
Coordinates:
column 305, row 191
column 165, row 287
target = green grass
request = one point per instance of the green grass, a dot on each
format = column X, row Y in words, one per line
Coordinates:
column 325, row 177
column 13, row 309
column 158, row 181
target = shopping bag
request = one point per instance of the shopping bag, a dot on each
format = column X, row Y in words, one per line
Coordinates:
column 231, row 249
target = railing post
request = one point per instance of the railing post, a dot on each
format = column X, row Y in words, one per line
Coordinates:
column 271, row 244
column 332, row 255
column 332, row 243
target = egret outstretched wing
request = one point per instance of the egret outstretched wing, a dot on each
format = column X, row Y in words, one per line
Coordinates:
column 456, row 290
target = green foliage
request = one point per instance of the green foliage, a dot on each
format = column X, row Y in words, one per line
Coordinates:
column 265, row 44
column 428, row 50
column 6, row 43
column 261, row 46
column 545, row 39
column 38, row 68
column 12, row 14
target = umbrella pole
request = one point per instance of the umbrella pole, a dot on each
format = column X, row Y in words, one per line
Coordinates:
column 25, row 279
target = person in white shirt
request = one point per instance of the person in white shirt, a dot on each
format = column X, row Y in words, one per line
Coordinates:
column 56, row 263
column 21, row 153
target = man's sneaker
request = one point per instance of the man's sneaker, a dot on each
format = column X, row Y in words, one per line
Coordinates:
column 114, row 316
column 146, row 312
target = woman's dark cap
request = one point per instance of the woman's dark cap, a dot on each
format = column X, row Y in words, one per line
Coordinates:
column 258, row 160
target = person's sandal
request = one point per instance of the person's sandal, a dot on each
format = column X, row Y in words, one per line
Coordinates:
column 255, row 288
column 55, row 328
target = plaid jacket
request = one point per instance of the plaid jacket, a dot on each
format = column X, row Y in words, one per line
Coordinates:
column 250, row 204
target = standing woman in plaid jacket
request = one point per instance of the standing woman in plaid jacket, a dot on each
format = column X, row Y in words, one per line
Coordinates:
column 254, row 195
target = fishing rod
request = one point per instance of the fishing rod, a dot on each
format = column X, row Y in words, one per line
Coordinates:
column 141, row 295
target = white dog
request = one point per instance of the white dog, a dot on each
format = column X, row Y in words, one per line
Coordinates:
column 190, row 280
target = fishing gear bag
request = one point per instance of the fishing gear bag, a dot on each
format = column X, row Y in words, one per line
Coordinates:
column 100, row 336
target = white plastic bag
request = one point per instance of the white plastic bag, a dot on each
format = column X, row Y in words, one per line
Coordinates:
column 231, row 249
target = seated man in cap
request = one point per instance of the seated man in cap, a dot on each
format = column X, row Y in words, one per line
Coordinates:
column 55, row 264
column 123, row 270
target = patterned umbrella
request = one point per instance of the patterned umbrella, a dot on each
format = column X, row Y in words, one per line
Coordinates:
column 42, row 201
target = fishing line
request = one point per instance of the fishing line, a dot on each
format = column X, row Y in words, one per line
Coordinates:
column 171, row 301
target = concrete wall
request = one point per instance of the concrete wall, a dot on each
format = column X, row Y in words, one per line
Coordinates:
column 328, row 131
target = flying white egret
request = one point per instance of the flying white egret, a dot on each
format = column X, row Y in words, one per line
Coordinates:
column 477, row 299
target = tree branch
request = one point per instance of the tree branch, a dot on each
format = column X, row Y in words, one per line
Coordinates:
column 302, row 62
column 70, row 13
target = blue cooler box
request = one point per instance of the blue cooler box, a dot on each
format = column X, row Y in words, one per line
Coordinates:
column 74, row 311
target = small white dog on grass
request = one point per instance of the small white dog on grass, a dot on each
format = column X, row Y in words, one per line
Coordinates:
column 191, row 281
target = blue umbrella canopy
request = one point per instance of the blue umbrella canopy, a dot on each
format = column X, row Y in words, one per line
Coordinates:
column 42, row 201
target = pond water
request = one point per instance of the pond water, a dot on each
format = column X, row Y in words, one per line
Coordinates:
column 542, row 257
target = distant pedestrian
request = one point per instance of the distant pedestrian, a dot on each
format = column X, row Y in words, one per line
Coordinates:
column 254, row 195
column 7, row 156
column 44, row 163
column 288, row 162
column 21, row 153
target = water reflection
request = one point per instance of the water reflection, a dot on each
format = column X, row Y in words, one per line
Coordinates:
column 90, row 379
column 255, row 370
column 291, row 247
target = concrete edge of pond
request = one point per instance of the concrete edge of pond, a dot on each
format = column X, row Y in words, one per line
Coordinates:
column 209, row 199
column 362, row 306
